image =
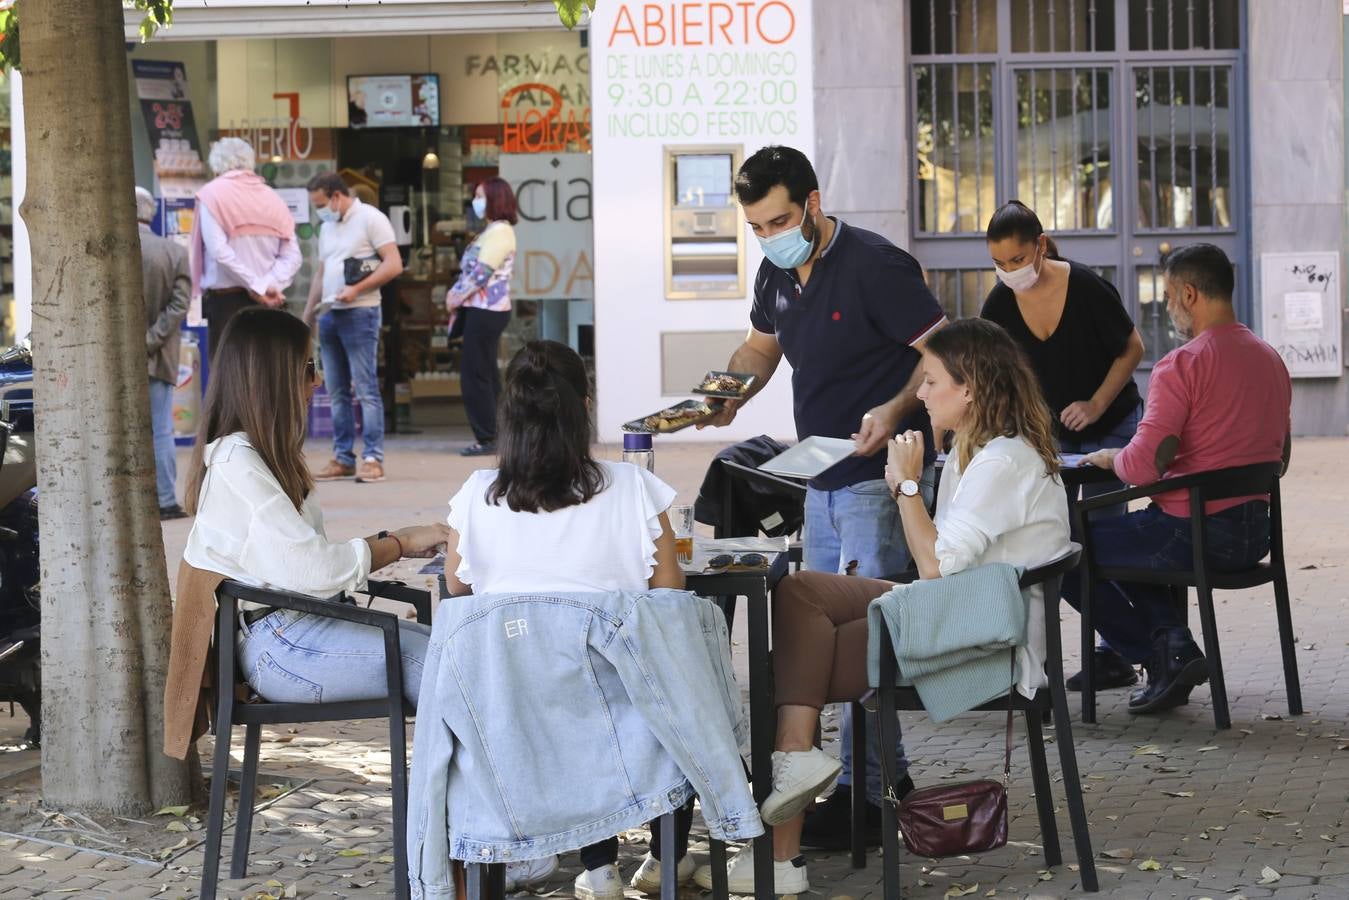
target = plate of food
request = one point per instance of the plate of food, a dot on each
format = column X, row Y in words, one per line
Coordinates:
column 672, row 418
column 732, row 385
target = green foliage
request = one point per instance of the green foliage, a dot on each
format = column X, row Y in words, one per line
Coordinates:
column 158, row 14
column 9, row 40
column 569, row 11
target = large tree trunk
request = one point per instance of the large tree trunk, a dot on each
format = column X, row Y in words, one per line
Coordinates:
column 105, row 592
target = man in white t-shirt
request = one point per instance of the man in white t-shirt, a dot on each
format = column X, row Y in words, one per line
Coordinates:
column 357, row 255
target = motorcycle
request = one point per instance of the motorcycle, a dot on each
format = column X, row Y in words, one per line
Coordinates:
column 20, row 568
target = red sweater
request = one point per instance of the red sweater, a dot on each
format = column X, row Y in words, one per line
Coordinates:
column 1227, row 396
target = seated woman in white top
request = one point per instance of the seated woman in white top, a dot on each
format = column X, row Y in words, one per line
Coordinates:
column 1000, row 500
column 258, row 522
column 553, row 518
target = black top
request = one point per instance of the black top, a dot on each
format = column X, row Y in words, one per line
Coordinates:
column 1071, row 364
column 848, row 335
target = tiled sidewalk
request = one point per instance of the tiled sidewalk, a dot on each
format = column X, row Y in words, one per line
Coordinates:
column 1218, row 812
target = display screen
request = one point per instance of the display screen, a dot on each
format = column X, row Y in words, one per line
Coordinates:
column 703, row 180
column 393, row 101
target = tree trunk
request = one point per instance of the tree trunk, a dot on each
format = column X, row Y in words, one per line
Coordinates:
column 105, row 591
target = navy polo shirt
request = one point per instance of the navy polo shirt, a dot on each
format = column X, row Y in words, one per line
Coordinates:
column 848, row 334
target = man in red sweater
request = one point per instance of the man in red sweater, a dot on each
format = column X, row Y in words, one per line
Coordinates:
column 1221, row 400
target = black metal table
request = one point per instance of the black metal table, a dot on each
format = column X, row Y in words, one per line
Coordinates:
column 756, row 587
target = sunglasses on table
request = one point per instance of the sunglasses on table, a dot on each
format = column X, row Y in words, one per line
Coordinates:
column 743, row 561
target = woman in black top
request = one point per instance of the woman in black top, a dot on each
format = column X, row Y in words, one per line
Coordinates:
column 1084, row 349
column 1072, row 324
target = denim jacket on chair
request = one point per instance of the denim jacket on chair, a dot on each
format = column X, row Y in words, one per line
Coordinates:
column 547, row 722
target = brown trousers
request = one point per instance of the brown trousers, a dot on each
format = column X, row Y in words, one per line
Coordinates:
column 820, row 637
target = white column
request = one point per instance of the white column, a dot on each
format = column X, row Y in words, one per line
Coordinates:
column 23, row 263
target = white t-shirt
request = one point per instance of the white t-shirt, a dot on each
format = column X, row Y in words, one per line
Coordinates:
column 1004, row 508
column 608, row 544
column 247, row 529
column 360, row 234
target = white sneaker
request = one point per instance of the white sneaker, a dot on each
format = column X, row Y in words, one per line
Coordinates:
column 603, row 883
column 798, row 778
column 530, row 871
column 788, row 877
column 647, row 877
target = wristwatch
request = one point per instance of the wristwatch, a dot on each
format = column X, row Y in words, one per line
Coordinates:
column 908, row 488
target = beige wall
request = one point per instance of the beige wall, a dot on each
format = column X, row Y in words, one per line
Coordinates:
column 1296, row 77
column 473, row 69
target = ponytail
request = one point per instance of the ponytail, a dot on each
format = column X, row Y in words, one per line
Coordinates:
column 1016, row 219
column 544, row 432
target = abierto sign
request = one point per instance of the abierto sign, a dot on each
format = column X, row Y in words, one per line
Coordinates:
column 719, row 79
column 702, row 71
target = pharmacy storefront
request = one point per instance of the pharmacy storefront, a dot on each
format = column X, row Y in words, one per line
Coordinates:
column 621, row 140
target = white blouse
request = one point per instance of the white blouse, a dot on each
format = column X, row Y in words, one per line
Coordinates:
column 607, row 544
column 1004, row 508
column 247, row 529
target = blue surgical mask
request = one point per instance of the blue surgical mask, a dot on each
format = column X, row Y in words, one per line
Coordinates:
column 480, row 207
column 327, row 214
column 787, row 249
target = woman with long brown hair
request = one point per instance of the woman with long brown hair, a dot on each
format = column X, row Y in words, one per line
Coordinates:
column 258, row 522
column 1000, row 500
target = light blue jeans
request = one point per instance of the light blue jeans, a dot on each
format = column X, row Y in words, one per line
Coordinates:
column 349, row 343
column 161, row 424
column 860, row 522
column 295, row 657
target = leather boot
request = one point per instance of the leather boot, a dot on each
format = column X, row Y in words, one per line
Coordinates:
column 1175, row 667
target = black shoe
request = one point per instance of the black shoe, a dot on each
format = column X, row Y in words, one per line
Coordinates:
column 1174, row 670
column 829, row 825
column 172, row 512
column 1111, row 671
column 479, row 449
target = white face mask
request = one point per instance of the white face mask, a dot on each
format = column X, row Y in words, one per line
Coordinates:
column 1022, row 279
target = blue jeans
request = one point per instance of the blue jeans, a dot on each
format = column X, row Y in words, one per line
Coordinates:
column 348, row 343
column 860, row 522
column 161, row 424
column 295, row 657
column 1118, row 438
column 1126, row 614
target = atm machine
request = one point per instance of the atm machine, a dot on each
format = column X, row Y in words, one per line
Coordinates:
column 704, row 233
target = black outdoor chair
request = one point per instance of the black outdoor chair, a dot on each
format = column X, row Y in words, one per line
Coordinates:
column 256, row 712
column 1220, row 484
column 891, row 698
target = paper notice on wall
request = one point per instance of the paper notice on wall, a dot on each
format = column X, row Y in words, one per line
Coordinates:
column 1300, row 307
column 297, row 201
column 1302, row 311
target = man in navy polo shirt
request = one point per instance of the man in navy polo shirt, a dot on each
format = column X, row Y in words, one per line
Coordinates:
column 850, row 311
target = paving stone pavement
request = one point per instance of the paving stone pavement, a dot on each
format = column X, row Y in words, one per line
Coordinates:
column 1218, row 812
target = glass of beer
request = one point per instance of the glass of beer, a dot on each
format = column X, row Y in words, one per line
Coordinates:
column 681, row 520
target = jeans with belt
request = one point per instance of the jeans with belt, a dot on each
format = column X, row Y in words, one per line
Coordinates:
column 860, row 522
column 1126, row 614
column 294, row 657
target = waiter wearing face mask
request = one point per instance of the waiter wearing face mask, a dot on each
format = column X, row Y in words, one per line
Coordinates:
column 850, row 311
column 1084, row 349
